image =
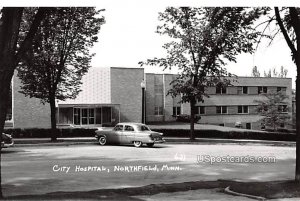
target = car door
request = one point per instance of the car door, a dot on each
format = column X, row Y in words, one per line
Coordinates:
column 116, row 134
column 128, row 134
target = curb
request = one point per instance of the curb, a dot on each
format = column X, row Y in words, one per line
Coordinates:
column 230, row 192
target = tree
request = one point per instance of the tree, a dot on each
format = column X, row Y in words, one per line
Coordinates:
column 290, row 28
column 202, row 40
column 11, row 52
column 60, row 56
column 274, row 73
column 268, row 73
column 273, row 108
column 283, row 72
column 255, row 72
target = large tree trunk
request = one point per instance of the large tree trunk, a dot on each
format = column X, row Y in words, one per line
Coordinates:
column 297, row 171
column 9, row 31
column 192, row 126
column 295, row 22
column 5, row 79
column 53, row 119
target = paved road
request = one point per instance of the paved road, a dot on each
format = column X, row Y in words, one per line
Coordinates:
column 43, row 169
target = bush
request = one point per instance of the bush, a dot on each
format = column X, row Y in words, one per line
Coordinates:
column 186, row 118
column 46, row 133
column 273, row 136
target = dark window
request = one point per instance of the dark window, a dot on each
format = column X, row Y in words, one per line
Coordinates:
column 282, row 108
column 129, row 128
column 224, row 109
column 245, row 109
column 221, row 109
column 262, row 90
column 176, row 111
column 265, row 90
column 77, row 116
column 118, row 128
column 220, row 89
column 278, row 89
column 242, row 109
column 143, row 128
column 248, row 125
column 245, row 90
column 201, row 110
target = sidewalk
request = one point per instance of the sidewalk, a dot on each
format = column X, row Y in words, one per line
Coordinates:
column 169, row 140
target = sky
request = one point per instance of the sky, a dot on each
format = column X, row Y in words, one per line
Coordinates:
column 128, row 36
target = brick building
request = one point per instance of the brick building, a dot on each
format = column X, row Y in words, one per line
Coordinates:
column 111, row 95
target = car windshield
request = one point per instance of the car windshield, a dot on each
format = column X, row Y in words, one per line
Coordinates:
column 143, row 128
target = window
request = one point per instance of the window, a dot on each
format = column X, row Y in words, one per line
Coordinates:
column 176, row 111
column 278, row 89
column 243, row 109
column 282, row 108
column 262, row 90
column 91, row 116
column 221, row 109
column 245, row 90
column 281, row 89
column 129, row 128
column 77, row 116
column 248, row 125
column 220, row 89
column 143, row 128
column 118, row 128
column 158, row 110
column 200, row 110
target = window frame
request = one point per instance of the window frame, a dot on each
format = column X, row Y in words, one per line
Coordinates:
column 158, row 111
column 222, row 108
column 223, row 90
column 176, row 110
column 241, row 109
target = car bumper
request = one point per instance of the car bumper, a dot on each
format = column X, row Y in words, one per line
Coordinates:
column 5, row 145
column 156, row 141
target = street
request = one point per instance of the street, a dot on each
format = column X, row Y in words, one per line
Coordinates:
column 44, row 169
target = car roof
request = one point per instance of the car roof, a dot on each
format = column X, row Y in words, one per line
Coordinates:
column 131, row 123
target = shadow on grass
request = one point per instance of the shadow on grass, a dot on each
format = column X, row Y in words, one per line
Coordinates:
column 270, row 190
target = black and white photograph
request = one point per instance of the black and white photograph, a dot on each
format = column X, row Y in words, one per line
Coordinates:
column 150, row 101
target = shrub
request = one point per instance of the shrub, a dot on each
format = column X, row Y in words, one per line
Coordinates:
column 46, row 133
column 273, row 136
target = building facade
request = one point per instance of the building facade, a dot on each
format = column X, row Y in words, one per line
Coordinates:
column 112, row 95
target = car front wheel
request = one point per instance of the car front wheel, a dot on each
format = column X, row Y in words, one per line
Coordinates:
column 102, row 140
column 137, row 143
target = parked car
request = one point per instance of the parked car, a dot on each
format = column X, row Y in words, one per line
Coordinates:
column 129, row 133
column 7, row 141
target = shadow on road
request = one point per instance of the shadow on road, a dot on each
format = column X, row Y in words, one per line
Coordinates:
column 271, row 190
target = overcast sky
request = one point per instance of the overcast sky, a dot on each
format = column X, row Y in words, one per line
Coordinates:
column 129, row 34
column 129, row 37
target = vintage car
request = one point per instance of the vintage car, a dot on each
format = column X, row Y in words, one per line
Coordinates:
column 7, row 141
column 129, row 133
